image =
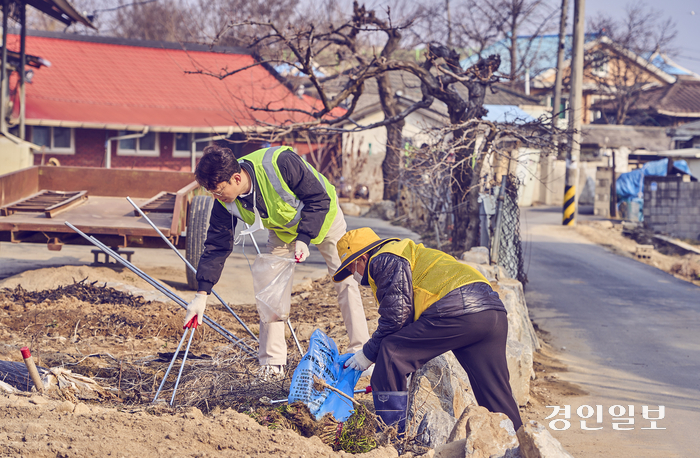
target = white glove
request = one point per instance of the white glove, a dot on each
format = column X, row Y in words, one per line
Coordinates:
column 358, row 361
column 301, row 251
column 196, row 307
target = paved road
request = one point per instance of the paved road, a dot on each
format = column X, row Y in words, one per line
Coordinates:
column 630, row 334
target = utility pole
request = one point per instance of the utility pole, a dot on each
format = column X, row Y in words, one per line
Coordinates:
column 556, row 105
column 575, row 116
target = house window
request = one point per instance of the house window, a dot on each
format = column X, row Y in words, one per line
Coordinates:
column 58, row 140
column 599, row 64
column 563, row 105
column 183, row 144
column 142, row 146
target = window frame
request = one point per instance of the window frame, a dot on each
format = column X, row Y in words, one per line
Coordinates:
column 139, row 152
column 57, row 150
column 183, row 154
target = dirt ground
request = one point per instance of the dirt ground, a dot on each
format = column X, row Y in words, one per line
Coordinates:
column 665, row 256
column 69, row 319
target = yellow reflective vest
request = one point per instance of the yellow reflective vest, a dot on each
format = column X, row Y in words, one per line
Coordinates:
column 283, row 206
column 435, row 273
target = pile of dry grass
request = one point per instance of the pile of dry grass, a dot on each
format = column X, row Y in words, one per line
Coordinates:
column 687, row 269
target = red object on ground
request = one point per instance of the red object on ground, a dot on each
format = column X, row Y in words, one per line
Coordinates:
column 26, row 353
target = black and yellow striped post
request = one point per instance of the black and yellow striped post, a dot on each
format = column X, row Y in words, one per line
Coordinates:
column 569, row 217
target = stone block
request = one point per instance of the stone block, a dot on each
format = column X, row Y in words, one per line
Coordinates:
column 442, row 384
column 435, row 428
column 490, row 435
column 385, row 210
column 350, row 209
column 537, row 442
column 450, row 450
column 477, row 255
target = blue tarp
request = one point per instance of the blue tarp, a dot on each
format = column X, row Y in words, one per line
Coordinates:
column 631, row 184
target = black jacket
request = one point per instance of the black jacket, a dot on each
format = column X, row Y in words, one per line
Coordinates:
column 393, row 278
column 222, row 224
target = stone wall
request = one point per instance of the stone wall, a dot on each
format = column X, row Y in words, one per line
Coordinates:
column 672, row 206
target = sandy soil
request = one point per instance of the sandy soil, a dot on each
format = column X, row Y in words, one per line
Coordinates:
column 95, row 337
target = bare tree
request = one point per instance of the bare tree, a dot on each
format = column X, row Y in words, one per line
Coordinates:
column 622, row 64
column 440, row 75
column 475, row 26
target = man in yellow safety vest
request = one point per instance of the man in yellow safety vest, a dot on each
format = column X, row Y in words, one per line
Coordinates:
column 276, row 189
column 429, row 303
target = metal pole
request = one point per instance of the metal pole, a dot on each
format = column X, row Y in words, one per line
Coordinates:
column 172, row 361
column 182, row 366
column 190, row 266
column 3, row 65
column 576, row 116
column 172, row 296
column 556, row 104
column 213, row 324
column 22, row 64
column 289, row 323
column 496, row 244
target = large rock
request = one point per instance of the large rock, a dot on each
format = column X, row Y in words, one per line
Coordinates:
column 477, row 255
column 435, row 428
column 522, row 340
column 449, row 450
column 537, row 442
column 350, row 209
column 519, row 325
column 490, row 435
column 385, row 210
column 492, row 273
column 442, row 385
column 519, row 358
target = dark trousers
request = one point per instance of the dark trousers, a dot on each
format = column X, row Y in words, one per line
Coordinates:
column 478, row 340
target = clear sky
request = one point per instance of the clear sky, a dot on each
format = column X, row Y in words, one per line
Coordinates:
column 687, row 41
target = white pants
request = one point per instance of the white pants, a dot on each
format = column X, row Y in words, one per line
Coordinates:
column 273, row 347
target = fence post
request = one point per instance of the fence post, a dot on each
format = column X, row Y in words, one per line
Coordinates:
column 499, row 221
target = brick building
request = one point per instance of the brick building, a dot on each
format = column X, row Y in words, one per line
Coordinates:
column 110, row 102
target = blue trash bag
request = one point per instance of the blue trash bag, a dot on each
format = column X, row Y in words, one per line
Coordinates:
column 323, row 360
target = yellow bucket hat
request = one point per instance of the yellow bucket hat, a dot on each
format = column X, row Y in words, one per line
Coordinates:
column 354, row 244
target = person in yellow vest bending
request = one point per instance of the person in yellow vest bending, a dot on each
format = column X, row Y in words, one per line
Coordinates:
column 276, row 189
column 429, row 303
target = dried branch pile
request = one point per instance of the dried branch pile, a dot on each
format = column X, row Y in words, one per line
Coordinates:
column 80, row 290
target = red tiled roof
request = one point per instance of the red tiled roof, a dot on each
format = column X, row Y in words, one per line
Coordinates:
column 113, row 84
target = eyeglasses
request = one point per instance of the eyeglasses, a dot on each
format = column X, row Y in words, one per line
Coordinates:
column 220, row 193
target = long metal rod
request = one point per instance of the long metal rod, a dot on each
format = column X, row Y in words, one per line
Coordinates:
column 190, row 266
column 172, row 296
column 289, row 323
column 213, row 324
column 170, row 366
column 182, row 366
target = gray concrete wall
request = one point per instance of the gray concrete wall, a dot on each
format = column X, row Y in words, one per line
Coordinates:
column 673, row 207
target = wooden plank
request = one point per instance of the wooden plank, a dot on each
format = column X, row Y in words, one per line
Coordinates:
column 182, row 200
